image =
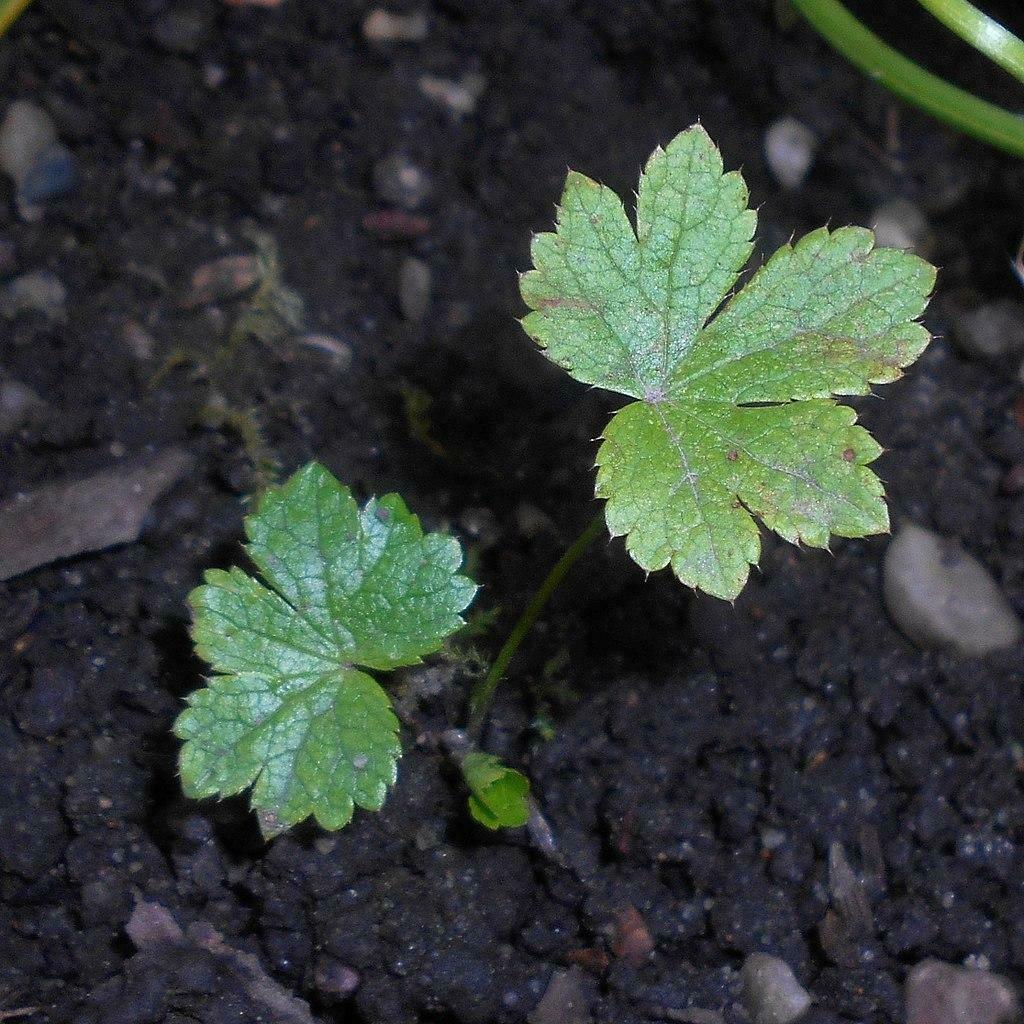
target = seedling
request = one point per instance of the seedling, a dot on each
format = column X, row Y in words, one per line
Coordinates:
column 732, row 415
column 288, row 711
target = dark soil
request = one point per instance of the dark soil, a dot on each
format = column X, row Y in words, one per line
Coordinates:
column 705, row 757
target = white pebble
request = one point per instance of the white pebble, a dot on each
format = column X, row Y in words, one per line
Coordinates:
column 771, row 993
column 789, row 148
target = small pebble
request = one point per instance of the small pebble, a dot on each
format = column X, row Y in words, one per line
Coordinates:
column 482, row 525
column 224, row 278
column 26, row 133
column 414, row 289
column 563, row 1001
column 40, row 291
column 335, row 979
column 339, row 352
column 993, row 330
column 139, row 341
column 771, row 993
column 396, row 179
column 532, row 522
column 54, row 174
column 381, row 26
column 940, row 993
column 942, row 597
column 19, row 405
column 899, row 224
column 460, row 97
column 789, row 148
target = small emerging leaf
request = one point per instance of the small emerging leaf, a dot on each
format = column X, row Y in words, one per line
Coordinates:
column 287, row 711
column 734, row 414
column 498, row 794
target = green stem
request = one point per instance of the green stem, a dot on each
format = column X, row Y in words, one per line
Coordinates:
column 482, row 697
column 9, row 11
column 955, row 106
column 982, row 32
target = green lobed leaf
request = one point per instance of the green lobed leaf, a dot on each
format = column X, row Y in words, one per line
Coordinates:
column 288, row 712
column 735, row 415
column 498, row 794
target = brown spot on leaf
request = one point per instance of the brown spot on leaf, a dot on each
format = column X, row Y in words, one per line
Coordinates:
column 849, row 455
column 733, row 456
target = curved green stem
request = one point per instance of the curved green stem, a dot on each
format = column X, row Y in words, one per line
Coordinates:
column 955, row 106
column 482, row 697
column 9, row 11
column 982, row 32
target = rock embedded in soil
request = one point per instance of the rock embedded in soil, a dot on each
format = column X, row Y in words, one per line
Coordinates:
column 381, row 26
column 19, row 406
column 72, row 517
column 789, row 147
column 396, row 179
column 771, row 993
column 414, row 289
column 991, row 331
column 39, row 291
column 563, row 1001
column 26, row 132
column 334, row 979
column 459, row 97
column 225, row 278
column 32, row 156
column 941, row 993
column 942, row 597
column 899, row 224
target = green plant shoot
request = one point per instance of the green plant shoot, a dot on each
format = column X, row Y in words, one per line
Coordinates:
column 289, row 710
column 498, row 794
column 734, row 413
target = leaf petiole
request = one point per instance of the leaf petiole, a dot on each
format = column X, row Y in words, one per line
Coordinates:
column 482, row 697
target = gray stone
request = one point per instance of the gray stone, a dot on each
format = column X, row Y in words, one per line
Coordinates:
column 900, row 225
column 771, row 993
column 991, row 331
column 26, row 133
column 334, row 979
column 71, row 517
column 940, row 993
column 40, row 291
column 397, row 180
column 381, row 26
column 414, row 288
column 54, row 174
column 563, row 1001
column 459, row 97
column 339, row 352
column 789, row 147
column 19, row 405
column 942, row 597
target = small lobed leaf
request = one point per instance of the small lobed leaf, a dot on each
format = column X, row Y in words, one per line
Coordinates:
column 498, row 794
column 734, row 414
column 288, row 711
